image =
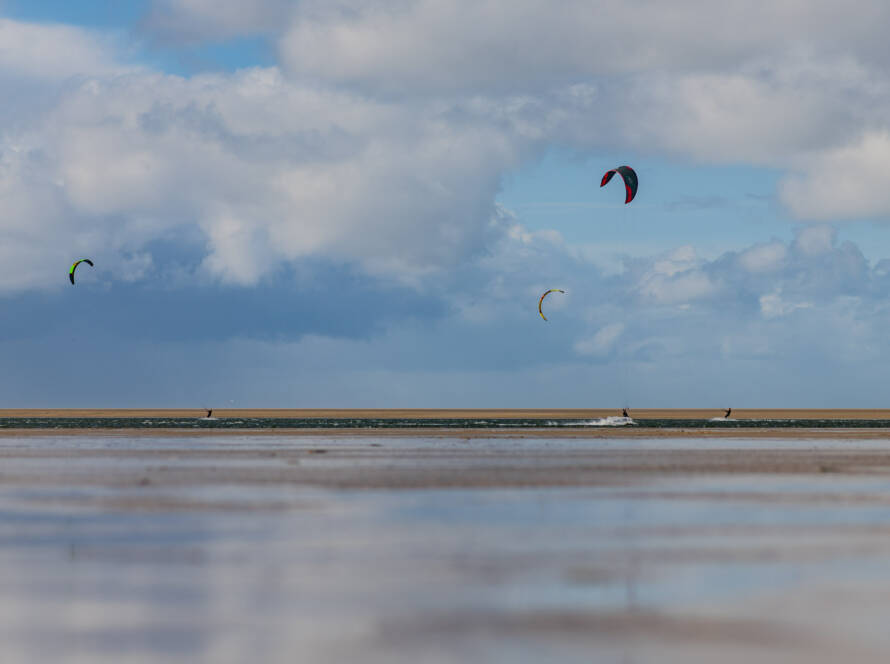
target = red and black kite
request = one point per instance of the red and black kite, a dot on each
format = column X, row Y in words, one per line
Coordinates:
column 630, row 181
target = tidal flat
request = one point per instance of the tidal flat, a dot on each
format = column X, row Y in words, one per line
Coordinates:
column 451, row 547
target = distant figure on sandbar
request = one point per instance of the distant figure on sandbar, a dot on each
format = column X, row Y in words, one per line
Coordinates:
column 209, row 411
column 624, row 412
column 726, row 415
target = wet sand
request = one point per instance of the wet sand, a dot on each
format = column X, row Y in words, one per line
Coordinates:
column 515, row 547
column 373, row 459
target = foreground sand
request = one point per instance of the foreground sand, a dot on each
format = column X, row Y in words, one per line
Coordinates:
column 381, row 548
column 375, row 459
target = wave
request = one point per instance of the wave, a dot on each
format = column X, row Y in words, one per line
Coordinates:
column 417, row 424
column 611, row 421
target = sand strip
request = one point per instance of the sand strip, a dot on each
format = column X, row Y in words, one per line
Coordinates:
column 482, row 413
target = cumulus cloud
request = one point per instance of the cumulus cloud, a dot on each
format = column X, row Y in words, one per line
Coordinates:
column 779, row 84
column 815, row 239
column 383, row 139
column 848, row 181
column 268, row 170
column 54, row 52
column 772, row 305
column 410, row 45
column 774, row 116
column 674, row 278
column 764, row 257
column 679, row 289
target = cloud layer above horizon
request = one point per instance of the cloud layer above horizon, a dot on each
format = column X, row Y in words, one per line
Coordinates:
column 365, row 166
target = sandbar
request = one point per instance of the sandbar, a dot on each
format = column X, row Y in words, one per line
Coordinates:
column 456, row 413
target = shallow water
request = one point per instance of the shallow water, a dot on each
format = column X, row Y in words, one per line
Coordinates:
column 425, row 423
column 222, row 549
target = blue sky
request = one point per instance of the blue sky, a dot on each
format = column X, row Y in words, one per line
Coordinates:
column 358, row 205
column 128, row 20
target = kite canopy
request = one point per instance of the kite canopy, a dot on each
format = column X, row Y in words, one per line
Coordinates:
column 541, row 301
column 630, row 181
column 74, row 267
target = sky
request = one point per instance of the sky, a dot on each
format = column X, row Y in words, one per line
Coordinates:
column 335, row 204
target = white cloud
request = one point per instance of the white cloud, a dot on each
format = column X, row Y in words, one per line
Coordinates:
column 815, row 239
column 772, row 305
column 781, row 84
column 848, row 181
column 680, row 289
column 54, row 52
column 764, row 257
column 676, row 279
column 770, row 117
column 411, row 45
column 269, row 170
column 678, row 260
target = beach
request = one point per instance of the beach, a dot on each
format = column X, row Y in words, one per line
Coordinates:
column 444, row 546
column 224, row 221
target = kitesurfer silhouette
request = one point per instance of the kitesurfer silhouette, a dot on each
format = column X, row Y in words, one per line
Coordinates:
column 728, row 411
column 624, row 412
column 209, row 411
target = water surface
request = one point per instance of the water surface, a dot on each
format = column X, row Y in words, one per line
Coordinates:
column 315, row 549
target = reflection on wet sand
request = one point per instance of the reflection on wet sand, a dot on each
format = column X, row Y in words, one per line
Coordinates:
column 443, row 549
